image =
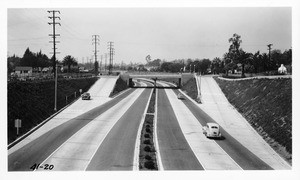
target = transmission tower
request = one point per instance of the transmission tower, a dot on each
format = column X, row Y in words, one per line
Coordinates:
column 111, row 56
column 54, row 35
column 96, row 42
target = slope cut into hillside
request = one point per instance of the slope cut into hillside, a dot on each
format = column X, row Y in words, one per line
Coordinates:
column 267, row 106
column 33, row 102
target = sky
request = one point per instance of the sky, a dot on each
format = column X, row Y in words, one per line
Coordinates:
column 164, row 33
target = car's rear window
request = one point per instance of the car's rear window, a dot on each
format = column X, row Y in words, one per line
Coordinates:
column 214, row 127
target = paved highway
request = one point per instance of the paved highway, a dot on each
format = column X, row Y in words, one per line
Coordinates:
column 241, row 155
column 175, row 152
column 117, row 150
column 105, row 138
column 41, row 148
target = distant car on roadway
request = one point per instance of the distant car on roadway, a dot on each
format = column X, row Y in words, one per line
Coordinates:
column 86, row 96
column 180, row 96
column 212, row 130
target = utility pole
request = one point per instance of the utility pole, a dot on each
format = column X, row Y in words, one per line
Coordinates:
column 96, row 42
column 53, row 23
column 91, row 65
column 87, row 62
column 101, row 57
column 269, row 48
column 105, row 62
column 111, row 53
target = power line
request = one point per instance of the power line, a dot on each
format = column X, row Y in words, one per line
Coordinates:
column 53, row 23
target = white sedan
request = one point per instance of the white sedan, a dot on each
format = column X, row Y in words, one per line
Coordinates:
column 212, row 130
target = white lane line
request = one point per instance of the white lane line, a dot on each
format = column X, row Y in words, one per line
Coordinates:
column 138, row 138
column 131, row 96
column 158, row 156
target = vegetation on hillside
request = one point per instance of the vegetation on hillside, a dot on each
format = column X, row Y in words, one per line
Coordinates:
column 267, row 106
column 191, row 88
column 120, row 86
column 33, row 102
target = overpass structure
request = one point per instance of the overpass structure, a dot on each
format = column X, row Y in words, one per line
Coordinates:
column 156, row 77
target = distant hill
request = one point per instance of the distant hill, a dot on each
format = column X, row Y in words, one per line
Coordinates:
column 267, row 106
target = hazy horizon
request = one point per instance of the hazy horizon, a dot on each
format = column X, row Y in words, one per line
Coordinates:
column 164, row 33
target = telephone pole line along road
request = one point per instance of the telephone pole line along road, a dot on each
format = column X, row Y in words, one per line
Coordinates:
column 53, row 17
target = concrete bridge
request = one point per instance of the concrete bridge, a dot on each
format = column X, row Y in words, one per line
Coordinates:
column 180, row 78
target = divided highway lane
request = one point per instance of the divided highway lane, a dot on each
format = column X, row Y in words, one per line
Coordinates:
column 39, row 149
column 117, row 150
column 175, row 152
column 241, row 155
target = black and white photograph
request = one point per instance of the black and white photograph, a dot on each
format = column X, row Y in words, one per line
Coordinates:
column 156, row 90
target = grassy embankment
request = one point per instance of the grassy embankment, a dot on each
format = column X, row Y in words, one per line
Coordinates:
column 119, row 87
column 190, row 88
column 267, row 106
column 33, row 102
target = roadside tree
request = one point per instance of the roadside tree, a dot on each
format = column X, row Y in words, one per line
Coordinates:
column 69, row 61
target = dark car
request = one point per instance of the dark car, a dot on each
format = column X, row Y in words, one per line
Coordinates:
column 86, row 96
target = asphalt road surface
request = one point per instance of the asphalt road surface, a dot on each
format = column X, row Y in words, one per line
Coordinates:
column 175, row 152
column 117, row 150
column 104, row 138
column 38, row 150
column 241, row 155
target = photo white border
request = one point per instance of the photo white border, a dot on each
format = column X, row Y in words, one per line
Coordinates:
column 274, row 174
